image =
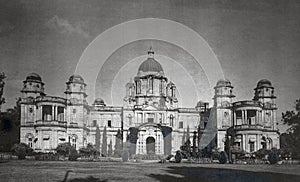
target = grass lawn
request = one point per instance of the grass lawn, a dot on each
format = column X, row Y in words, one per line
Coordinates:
column 117, row 171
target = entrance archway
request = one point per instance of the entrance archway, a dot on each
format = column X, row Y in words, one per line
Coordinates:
column 150, row 145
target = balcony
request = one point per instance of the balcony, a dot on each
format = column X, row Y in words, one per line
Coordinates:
column 40, row 123
column 248, row 127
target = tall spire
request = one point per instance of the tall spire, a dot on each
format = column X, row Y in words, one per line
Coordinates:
column 150, row 53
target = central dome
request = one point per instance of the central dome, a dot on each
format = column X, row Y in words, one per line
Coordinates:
column 151, row 65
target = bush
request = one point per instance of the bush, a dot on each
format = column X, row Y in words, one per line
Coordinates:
column 261, row 153
column 223, row 158
column 125, row 156
column 273, row 156
column 63, row 148
column 21, row 150
column 178, row 157
column 215, row 155
column 73, row 154
column 88, row 151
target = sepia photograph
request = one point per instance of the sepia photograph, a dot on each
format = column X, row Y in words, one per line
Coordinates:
column 149, row 90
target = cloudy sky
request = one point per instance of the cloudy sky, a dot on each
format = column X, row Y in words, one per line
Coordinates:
column 251, row 39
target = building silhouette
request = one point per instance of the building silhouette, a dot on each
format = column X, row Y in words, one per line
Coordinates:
column 150, row 119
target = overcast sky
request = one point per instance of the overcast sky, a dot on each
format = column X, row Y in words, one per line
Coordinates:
column 252, row 40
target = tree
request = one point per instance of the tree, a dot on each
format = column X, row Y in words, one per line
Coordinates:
column 194, row 141
column 10, row 127
column 273, row 156
column 104, row 143
column 63, row 148
column 21, row 150
column 118, row 144
column 110, row 150
column 73, row 156
column 223, row 157
column 291, row 139
column 97, row 139
column 183, row 138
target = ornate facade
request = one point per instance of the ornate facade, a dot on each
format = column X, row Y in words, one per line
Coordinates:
column 149, row 118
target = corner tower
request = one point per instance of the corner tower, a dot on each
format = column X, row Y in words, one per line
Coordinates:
column 264, row 93
column 223, row 108
column 76, row 100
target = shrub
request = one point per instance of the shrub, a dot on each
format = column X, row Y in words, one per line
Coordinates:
column 273, row 156
column 88, row 151
column 223, row 157
column 215, row 155
column 73, row 154
column 21, row 150
column 178, row 157
column 63, row 148
column 261, row 153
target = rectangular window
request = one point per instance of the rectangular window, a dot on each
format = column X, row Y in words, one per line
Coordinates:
column 151, row 85
column 47, row 113
column 180, row 124
column 108, row 123
column 150, row 117
column 60, row 113
column 140, row 118
column 251, row 146
column 94, row 123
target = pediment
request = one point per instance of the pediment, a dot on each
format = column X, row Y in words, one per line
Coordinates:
column 150, row 108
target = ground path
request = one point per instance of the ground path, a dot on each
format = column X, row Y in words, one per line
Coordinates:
column 117, row 171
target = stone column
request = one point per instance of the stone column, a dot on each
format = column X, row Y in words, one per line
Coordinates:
column 246, row 119
column 52, row 113
column 234, row 118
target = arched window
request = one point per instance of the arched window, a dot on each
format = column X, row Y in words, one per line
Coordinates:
column 138, row 87
column 73, row 140
column 129, row 119
column 151, row 85
column 171, row 120
column 130, row 91
column 161, row 87
column 29, row 139
column 173, row 89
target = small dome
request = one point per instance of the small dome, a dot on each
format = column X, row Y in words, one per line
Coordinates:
column 99, row 101
column 151, row 65
column 170, row 84
column 201, row 104
column 130, row 83
column 34, row 77
column 76, row 79
column 264, row 83
column 223, row 83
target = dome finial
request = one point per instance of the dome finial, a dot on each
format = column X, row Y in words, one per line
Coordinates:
column 150, row 53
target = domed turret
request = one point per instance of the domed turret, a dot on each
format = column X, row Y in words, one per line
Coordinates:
column 150, row 65
column 76, row 79
column 34, row 77
column 33, row 86
column 264, row 92
column 223, row 93
column 223, row 83
column 264, row 83
column 202, row 106
column 75, row 90
column 99, row 102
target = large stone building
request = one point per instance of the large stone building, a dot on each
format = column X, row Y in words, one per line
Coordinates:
column 149, row 118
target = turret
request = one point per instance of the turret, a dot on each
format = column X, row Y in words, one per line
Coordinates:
column 223, row 103
column 264, row 93
column 33, row 86
column 76, row 90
